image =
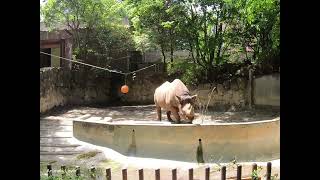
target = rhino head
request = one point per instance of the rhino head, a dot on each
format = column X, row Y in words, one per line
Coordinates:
column 186, row 107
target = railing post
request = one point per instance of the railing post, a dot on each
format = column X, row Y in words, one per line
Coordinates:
column 223, row 173
column 93, row 172
column 63, row 168
column 269, row 166
column 77, row 171
column 174, row 174
column 207, row 173
column 124, row 174
column 190, row 174
column 140, row 174
column 254, row 168
column 239, row 169
column 108, row 174
column 49, row 167
column 157, row 174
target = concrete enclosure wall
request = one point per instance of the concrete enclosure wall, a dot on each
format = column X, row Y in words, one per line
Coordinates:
column 267, row 90
column 230, row 94
column 256, row 141
column 59, row 86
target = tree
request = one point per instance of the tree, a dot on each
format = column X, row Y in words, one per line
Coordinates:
column 143, row 42
column 152, row 18
column 96, row 26
column 260, row 27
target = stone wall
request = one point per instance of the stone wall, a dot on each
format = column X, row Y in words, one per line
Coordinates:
column 266, row 90
column 231, row 94
column 226, row 96
column 59, row 87
column 141, row 89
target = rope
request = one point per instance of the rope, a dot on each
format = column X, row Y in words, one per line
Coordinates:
column 106, row 69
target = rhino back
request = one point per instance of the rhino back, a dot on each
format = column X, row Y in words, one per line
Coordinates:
column 165, row 95
column 179, row 88
column 161, row 93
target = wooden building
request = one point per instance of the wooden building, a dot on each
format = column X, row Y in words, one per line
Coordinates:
column 58, row 43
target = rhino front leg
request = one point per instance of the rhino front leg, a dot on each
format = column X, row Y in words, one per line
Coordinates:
column 159, row 112
column 176, row 115
column 169, row 116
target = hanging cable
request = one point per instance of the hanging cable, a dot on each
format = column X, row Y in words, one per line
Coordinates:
column 106, row 69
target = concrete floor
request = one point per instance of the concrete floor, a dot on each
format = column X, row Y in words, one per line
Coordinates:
column 58, row 146
column 148, row 113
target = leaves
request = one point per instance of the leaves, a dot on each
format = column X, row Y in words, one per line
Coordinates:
column 96, row 25
column 215, row 32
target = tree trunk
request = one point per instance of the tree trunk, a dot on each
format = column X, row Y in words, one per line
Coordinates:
column 164, row 60
column 191, row 50
column 171, row 45
column 171, row 53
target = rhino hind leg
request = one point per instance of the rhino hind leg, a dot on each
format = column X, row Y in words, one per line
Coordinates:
column 159, row 113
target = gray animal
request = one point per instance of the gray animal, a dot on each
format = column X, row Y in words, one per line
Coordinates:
column 175, row 98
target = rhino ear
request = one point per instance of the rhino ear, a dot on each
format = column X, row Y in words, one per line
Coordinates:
column 179, row 98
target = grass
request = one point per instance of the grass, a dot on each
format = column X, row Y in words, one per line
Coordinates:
column 115, row 166
column 88, row 155
column 70, row 172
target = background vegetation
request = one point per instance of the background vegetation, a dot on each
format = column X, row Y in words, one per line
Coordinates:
column 223, row 37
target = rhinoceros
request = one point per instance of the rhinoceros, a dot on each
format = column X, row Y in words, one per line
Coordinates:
column 175, row 98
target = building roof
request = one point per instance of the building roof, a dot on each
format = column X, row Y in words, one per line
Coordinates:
column 57, row 27
column 43, row 27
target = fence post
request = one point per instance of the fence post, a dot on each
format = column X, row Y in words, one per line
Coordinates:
column 254, row 168
column 223, row 173
column 239, row 169
column 63, row 168
column 207, row 173
column 174, row 174
column 269, row 166
column 108, row 174
column 49, row 167
column 190, row 174
column 124, row 174
column 157, row 174
column 93, row 172
column 77, row 171
column 140, row 174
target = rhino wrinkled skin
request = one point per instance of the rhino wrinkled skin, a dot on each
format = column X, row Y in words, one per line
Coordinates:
column 175, row 98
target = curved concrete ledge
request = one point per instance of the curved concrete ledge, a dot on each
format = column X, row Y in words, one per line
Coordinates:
column 254, row 141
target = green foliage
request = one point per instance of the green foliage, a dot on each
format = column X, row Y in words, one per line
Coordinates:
column 95, row 25
column 88, row 155
column 143, row 42
column 255, row 173
column 259, row 27
column 216, row 33
column 70, row 174
column 153, row 19
column 187, row 71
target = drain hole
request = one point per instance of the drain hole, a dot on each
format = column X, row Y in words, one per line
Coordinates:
column 200, row 140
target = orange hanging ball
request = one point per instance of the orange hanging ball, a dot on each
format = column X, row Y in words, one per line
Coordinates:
column 124, row 89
